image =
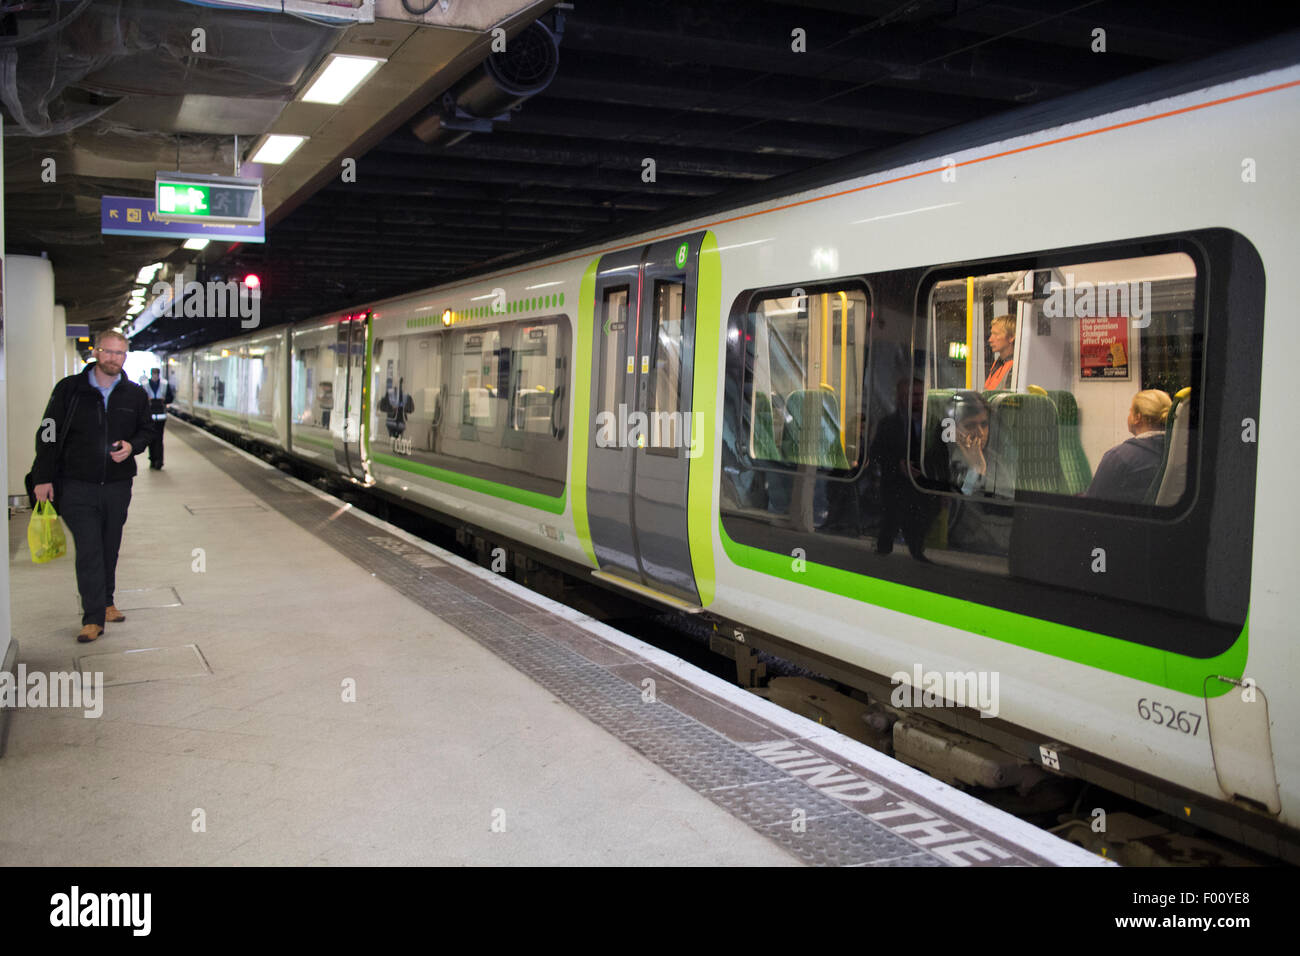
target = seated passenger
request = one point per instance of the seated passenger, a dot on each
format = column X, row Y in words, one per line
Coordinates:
column 975, row 468
column 1127, row 470
column 977, row 471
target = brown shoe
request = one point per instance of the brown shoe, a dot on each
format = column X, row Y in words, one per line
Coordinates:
column 112, row 615
column 90, row 632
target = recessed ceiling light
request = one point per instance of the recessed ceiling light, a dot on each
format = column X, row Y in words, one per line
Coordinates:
column 340, row 78
column 276, row 148
column 197, row 243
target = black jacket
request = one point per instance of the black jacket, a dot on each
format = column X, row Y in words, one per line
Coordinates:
column 82, row 443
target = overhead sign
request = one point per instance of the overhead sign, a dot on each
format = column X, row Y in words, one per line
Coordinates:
column 135, row 216
column 197, row 198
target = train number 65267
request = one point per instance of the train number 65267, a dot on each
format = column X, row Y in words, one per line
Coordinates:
column 1165, row 716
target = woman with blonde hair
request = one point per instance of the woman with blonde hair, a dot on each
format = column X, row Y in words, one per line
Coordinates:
column 1127, row 470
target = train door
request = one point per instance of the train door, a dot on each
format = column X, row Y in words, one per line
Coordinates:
column 639, row 449
column 348, row 392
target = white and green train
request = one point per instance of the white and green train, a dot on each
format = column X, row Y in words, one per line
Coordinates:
column 736, row 414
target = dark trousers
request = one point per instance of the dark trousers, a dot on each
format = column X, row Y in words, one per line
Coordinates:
column 155, row 446
column 905, row 509
column 95, row 515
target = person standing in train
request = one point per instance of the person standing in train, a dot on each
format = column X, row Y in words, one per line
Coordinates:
column 1002, row 340
column 94, row 425
column 161, row 394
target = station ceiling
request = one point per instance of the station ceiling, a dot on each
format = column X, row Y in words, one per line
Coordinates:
column 714, row 91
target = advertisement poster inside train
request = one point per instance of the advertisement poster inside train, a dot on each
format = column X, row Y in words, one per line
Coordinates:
column 1103, row 348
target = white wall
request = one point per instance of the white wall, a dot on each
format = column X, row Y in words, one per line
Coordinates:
column 29, row 295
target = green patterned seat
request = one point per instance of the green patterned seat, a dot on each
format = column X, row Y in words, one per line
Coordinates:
column 812, row 436
column 764, row 443
column 1074, row 460
column 1171, row 478
column 935, row 462
column 1024, row 430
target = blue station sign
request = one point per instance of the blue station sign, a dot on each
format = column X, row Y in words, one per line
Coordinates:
column 138, row 216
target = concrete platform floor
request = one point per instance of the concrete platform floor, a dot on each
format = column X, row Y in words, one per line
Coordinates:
column 443, row 740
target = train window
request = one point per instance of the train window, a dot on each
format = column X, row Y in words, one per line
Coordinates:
column 805, row 378
column 613, row 320
column 409, row 387
column 477, row 366
column 534, row 378
column 1072, row 380
column 666, row 370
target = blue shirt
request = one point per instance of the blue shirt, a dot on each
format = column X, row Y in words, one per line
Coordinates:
column 94, row 380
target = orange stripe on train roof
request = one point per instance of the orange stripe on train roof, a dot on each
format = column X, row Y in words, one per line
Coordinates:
column 885, row 182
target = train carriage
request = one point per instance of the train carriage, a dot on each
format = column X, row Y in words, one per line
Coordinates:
column 756, row 415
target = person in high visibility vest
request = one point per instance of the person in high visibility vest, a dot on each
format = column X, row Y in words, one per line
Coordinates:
column 1002, row 340
column 161, row 394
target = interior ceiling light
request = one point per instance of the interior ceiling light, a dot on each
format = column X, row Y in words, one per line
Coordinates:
column 340, row 78
column 196, row 243
column 276, row 148
column 145, row 275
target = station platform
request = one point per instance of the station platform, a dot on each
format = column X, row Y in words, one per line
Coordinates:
column 298, row 682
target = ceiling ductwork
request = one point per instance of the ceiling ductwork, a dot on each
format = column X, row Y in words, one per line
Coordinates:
column 502, row 83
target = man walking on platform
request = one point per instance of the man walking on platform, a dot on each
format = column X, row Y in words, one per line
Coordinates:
column 95, row 424
column 161, row 394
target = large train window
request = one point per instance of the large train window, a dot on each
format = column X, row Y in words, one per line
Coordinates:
column 804, row 381
column 1015, row 448
column 1071, row 380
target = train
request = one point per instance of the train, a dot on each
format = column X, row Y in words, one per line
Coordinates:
column 768, row 415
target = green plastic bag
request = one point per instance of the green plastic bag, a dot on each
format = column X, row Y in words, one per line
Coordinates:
column 45, row 534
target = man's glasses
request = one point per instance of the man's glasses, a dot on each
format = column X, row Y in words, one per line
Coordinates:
column 113, row 352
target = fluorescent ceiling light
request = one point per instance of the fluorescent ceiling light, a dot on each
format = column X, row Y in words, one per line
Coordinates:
column 276, row 148
column 136, row 308
column 340, row 78
column 196, row 243
column 147, row 273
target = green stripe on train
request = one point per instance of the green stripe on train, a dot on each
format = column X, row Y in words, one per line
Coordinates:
column 311, row 440
column 1161, row 668
column 529, row 499
column 702, row 481
column 581, row 401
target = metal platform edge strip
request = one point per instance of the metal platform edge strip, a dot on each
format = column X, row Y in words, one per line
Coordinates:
column 826, row 799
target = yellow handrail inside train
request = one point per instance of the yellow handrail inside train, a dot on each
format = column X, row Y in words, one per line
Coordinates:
column 844, row 363
column 970, row 330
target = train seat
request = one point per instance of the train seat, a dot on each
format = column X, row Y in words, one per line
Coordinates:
column 1074, row 460
column 1024, row 429
column 812, row 436
column 1171, row 480
column 935, row 460
column 764, row 444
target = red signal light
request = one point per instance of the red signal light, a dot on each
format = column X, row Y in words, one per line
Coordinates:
column 252, row 281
